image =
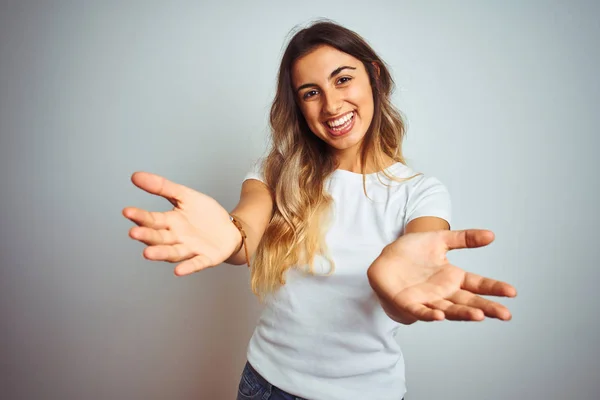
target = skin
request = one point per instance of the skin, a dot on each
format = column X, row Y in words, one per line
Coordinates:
column 329, row 84
column 197, row 233
column 412, row 276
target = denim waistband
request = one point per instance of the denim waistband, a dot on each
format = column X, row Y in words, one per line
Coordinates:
column 265, row 382
column 258, row 376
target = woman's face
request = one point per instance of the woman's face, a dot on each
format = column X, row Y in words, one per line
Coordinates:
column 335, row 97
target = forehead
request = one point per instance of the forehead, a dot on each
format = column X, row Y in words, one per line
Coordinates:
column 316, row 66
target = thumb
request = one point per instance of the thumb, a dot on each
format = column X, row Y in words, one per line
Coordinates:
column 468, row 238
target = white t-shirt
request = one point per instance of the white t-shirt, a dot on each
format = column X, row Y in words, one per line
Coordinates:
column 327, row 337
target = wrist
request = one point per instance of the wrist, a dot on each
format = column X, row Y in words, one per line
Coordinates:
column 243, row 241
column 239, row 243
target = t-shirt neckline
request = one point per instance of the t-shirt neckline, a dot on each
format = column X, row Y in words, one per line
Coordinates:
column 345, row 174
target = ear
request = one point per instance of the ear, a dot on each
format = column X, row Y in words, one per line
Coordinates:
column 377, row 68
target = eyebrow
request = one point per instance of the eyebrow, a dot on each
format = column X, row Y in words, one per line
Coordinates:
column 331, row 76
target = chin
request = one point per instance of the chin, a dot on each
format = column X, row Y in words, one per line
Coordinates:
column 338, row 147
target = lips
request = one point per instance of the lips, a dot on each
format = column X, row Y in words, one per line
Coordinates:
column 341, row 125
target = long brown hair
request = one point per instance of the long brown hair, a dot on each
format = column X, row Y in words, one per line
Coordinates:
column 299, row 162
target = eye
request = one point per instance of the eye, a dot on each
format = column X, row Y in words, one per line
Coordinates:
column 309, row 94
column 344, row 79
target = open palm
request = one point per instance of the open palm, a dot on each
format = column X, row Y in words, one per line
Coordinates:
column 197, row 233
column 414, row 280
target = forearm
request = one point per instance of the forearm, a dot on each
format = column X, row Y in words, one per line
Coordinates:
column 253, row 238
column 253, row 212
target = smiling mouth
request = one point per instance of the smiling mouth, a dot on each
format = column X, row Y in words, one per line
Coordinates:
column 342, row 125
column 339, row 124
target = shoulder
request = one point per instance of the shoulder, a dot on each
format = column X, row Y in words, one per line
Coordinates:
column 256, row 171
column 414, row 182
column 425, row 195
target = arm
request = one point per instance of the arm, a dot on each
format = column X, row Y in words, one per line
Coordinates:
column 197, row 233
column 415, row 281
column 254, row 212
column 429, row 198
column 426, row 224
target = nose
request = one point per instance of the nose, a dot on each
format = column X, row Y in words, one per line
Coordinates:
column 332, row 103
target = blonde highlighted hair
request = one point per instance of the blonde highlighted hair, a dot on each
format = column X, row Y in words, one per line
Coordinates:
column 299, row 162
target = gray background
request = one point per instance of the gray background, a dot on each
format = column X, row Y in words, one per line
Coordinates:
column 502, row 102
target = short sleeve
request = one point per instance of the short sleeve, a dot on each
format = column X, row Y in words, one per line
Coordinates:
column 428, row 198
column 256, row 172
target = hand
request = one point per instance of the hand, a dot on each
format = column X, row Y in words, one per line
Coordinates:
column 414, row 280
column 197, row 233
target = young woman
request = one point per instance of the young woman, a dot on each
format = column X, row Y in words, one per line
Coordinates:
column 345, row 242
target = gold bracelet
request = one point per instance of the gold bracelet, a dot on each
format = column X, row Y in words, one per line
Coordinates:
column 244, row 237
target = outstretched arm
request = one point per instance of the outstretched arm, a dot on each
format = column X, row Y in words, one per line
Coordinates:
column 414, row 280
column 197, row 233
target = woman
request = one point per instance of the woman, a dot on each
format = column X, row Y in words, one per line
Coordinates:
column 345, row 242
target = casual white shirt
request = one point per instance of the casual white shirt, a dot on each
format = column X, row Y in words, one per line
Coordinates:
column 327, row 337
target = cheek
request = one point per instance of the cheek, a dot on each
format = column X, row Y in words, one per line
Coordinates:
column 362, row 97
column 311, row 115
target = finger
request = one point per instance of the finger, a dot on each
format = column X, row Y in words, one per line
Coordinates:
column 193, row 265
column 469, row 238
column 153, row 237
column 488, row 287
column 175, row 253
column 424, row 313
column 160, row 186
column 457, row 312
column 154, row 220
column 489, row 308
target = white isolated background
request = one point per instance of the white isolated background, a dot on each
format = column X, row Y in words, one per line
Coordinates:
column 501, row 101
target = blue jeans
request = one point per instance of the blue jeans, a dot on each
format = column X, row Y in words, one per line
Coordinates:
column 255, row 387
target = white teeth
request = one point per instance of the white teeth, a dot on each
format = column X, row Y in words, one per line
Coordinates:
column 340, row 121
